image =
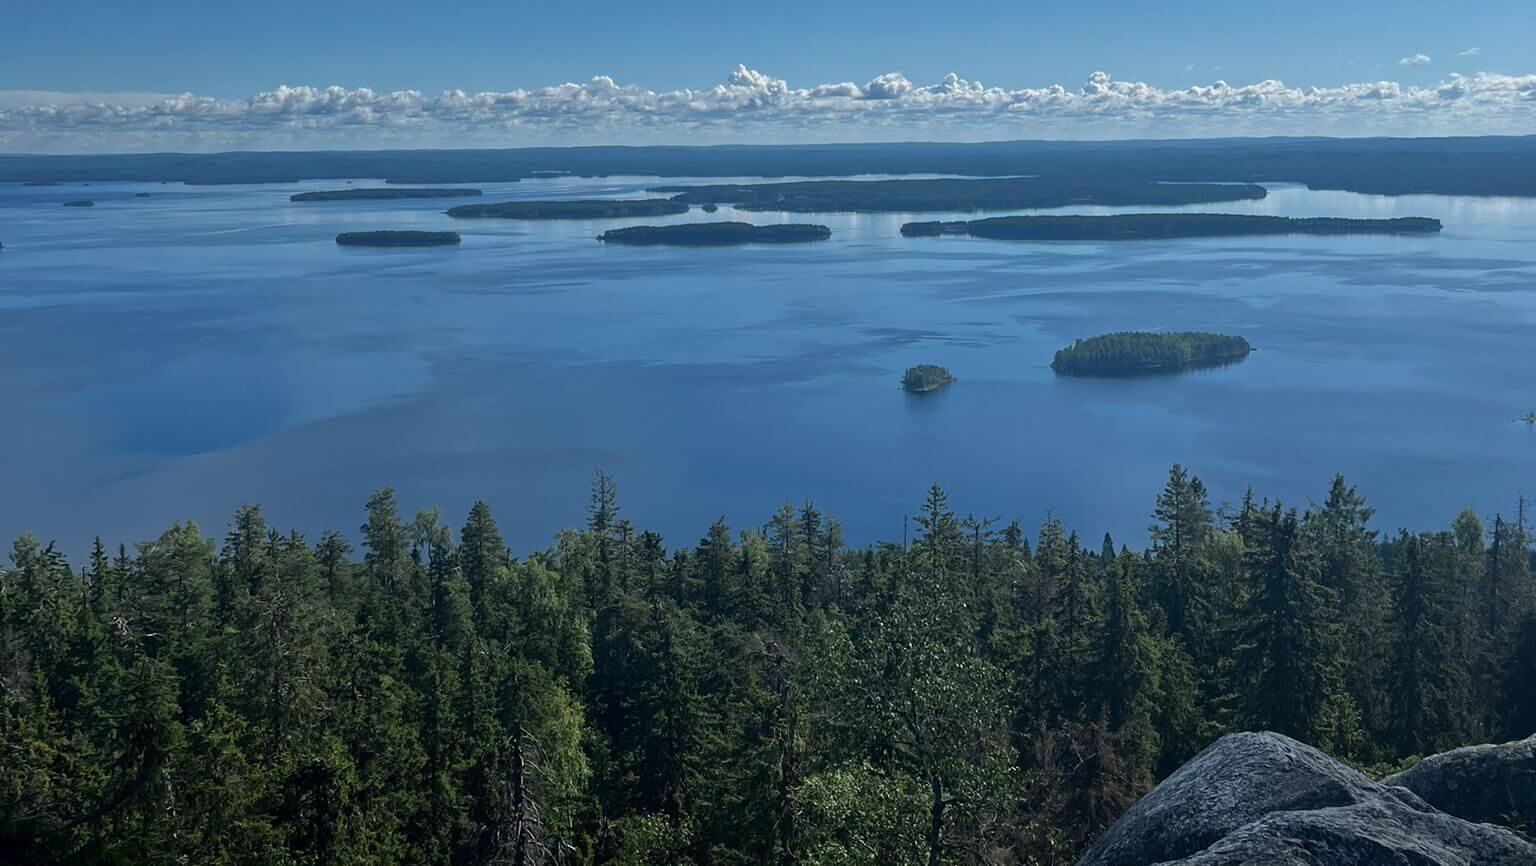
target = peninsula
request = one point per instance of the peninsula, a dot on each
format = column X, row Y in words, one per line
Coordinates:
column 716, row 234
column 397, row 239
column 1134, row 353
column 956, row 194
column 1149, row 226
column 571, row 210
column 384, row 193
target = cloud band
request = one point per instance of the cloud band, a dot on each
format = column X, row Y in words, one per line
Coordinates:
column 752, row 106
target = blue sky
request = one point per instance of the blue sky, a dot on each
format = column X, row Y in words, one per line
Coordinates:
column 225, row 51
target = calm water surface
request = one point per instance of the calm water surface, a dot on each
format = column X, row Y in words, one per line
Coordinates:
column 177, row 355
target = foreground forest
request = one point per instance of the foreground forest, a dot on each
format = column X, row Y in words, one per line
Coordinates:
column 971, row 695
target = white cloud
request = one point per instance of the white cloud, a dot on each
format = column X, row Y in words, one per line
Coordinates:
column 1415, row 60
column 1470, row 52
column 753, row 106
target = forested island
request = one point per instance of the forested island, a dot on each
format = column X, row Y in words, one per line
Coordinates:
column 1132, row 353
column 80, row 203
column 1149, row 226
column 574, row 210
column 1474, row 165
column 955, row 194
column 383, row 193
column 397, row 239
column 977, row 692
column 925, row 377
column 716, row 234
column 42, row 183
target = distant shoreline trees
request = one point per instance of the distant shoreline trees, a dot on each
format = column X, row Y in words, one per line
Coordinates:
column 398, row 239
column 716, row 234
column 1133, row 353
column 1153, row 226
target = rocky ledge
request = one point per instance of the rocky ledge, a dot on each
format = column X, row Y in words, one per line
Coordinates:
column 1262, row 799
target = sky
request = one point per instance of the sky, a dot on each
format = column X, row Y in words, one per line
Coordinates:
column 84, row 75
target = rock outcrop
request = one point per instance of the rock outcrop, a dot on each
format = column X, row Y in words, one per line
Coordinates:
column 1479, row 783
column 1262, row 799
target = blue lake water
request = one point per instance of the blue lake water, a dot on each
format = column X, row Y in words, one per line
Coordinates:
column 177, row 355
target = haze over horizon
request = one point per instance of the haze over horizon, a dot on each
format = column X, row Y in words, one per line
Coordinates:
column 181, row 78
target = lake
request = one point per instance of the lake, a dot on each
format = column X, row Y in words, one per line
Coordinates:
column 178, row 355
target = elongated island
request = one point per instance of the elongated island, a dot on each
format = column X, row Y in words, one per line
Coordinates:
column 1149, row 226
column 925, row 377
column 1137, row 353
column 581, row 209
column 384, row 193
column 955, row 194
column 397, row 239
column 716, row 234
column 80, row 203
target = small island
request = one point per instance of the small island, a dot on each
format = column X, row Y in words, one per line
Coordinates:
column 80, row 203
column 383, row 193
column 42, row 183
column 716, row 234
column 1149, row 226
column 571, row 210
column 1136, row 353
column 141, row 195
column 710, row 207
column 397, row 239
column 956, row 194
column 924, row 378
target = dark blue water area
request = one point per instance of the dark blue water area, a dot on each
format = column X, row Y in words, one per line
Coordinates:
column 174, row 356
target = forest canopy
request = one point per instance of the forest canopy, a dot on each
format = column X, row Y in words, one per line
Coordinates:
column 716, row 234
column 384, row 193
column 1129, row 353
column 398, row 239
column 955, row 194
column 926, row 377
column 1144, row 226
column 767, row 695
column 570, row 210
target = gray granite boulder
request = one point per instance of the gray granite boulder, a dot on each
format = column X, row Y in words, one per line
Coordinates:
column 1262, row 799
column 1478, row 783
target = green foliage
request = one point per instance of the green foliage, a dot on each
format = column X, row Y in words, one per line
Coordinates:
column 925, row 377
column 716, row 234
column 953, row 194
column 398, row 239
column 570, row 210
column 384, row 193
column 1130, row 353
column 762, row 697
column 1150, row 226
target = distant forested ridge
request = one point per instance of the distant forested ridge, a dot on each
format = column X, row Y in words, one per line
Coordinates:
column 716, row 234
column 383, row 193
column 397, row 239
column 1148, row 226
column 1490, row 165
column 950, row 194
column 572, row 210
column 972, row 693
column 1129, row 353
